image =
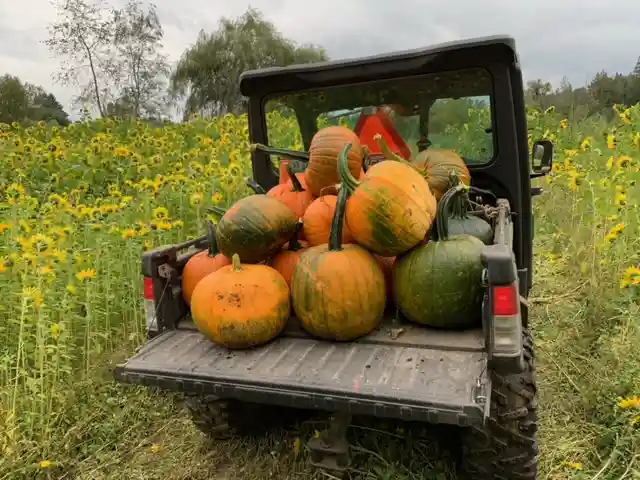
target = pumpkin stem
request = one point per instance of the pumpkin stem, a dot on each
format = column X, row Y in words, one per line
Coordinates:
column 460, row 201
column 347, row 180
column 284, row 172
column 280, row 152
column 297, row 186
column 255, row 186
column 294, row 243
column 235, row 261
column 211, row 239
column 337, row 225
column 444, row 209
column 365, row 158
column 388, row 153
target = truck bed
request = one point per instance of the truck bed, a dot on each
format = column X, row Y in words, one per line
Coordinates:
column 400, row 370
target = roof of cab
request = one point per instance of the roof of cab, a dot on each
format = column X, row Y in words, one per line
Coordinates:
column 251, row 78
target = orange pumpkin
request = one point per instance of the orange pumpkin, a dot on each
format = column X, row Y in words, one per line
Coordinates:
column 325, row 146
column 391, row 209
column 437, row 166
column 288, row 258
column 202, row 264
column 338, row 290
column 291, row 192
column 317, row 221
column 241, row 306
column 386, row 263
column 256, row 228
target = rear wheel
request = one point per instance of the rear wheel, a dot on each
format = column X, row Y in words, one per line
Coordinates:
column 220, row 418
column 506, row 448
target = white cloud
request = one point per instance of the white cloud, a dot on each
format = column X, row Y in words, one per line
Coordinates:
column 555, row 39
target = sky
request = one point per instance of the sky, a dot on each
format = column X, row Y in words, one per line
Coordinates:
column 555, row 39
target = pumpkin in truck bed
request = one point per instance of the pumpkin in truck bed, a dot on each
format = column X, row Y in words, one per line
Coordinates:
column 439, row 283
column 241, row 306
column 338, row 290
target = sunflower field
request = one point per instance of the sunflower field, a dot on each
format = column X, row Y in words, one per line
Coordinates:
column 79, row 205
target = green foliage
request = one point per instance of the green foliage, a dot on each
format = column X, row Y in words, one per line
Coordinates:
column 23, row 102
column 208, row 73
column 14, row 102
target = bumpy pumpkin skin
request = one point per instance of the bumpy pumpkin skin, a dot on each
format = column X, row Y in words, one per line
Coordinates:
column 437, row 165
column 317, row 221
column 391, row 210
column 452, row 266
column 326, row 144
column 198, row 267
column 255, row 228
column 338, row 295
column 241, row 306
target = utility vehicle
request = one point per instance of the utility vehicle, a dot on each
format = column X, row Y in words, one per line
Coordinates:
column 481, row 380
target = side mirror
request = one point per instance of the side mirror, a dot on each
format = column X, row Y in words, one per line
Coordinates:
column 541, row 157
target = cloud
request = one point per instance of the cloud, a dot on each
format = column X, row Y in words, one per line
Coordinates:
column 573, row 38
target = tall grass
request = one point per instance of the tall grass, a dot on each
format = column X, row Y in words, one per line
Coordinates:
column 78, row 206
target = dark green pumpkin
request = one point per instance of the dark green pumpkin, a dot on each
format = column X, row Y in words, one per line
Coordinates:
column 255, row 227
column 461, row 219
column 439, row 283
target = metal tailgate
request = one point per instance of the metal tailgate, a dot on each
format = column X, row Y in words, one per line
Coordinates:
column 416, row 376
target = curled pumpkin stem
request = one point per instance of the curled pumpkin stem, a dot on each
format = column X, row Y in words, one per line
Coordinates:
column 348, row 181
column 388, row 153
column 297, row 186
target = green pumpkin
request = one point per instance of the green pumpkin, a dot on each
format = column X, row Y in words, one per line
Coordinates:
column 255, row 227
column 457, row 206
column 439, row 283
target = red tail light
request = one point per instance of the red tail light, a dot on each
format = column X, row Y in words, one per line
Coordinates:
column 505, row 300
column 148, row 289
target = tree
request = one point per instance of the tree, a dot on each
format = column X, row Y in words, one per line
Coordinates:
column 143, row 69
column 83, row 33
column 20, row 102
column 208, row 72
column 537, row 90
column 14, row 102
column 44, row 106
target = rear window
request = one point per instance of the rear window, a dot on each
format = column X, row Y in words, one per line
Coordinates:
column 450, row 110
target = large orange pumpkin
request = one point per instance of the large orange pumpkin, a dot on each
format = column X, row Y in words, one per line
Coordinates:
column 241, row 306
column 338, row 291
column 437, row 166
column 391, row 209
column 255, row 227
column 291, row 192
column 288, row 258
column 317, row 221
column 325, row 146
column 202, row 264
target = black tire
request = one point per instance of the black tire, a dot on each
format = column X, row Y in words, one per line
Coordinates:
column 210, row 415
column 221, row 419
column 506, row 448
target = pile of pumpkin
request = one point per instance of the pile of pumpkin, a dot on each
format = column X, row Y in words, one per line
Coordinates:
column 335, row 244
